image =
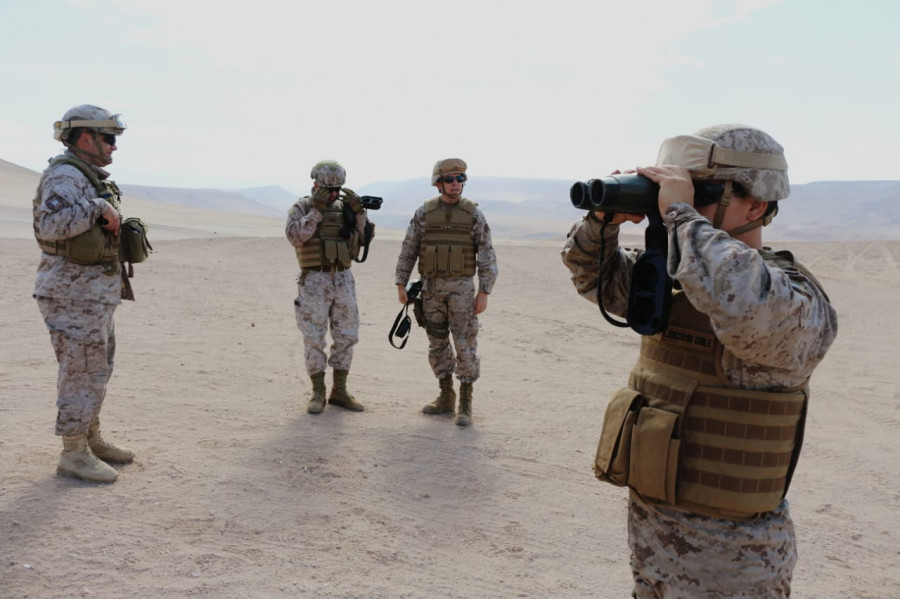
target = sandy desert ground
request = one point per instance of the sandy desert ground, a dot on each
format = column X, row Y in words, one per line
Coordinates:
column 238, row 492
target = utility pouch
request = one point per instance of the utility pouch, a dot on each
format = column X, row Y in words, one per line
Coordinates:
column 343, row 253
column 612, row 462
column 330, row 250
column 429, row 260
column 654, row 454
column 134, row 247
column 87, row 248
column 456, row 259
column 443, row 259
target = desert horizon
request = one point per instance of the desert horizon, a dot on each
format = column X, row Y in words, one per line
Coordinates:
column 237, row 492
column 524, row 209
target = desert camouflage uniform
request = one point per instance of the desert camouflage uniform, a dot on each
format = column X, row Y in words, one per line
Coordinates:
column 76, row 301
column 775, row 330
column 451, row 300
column 324, row 296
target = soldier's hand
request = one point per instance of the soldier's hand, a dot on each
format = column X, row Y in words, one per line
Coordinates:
column 314, row 215
column 349, row 197
column 401, row 293
column 674, row 182
column 481, row 301
column 619, row 218
column 111, row 218
column 320, row 197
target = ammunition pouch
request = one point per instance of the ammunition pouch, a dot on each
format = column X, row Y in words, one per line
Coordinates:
column 639, row 447
column 444, row 260
column 613, row 457
column 86, row 248
column 134, row 247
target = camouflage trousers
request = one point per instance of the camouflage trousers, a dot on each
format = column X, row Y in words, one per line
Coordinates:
column 449, row 303
column 676, row 554
column 327, row 298
column 83, row 336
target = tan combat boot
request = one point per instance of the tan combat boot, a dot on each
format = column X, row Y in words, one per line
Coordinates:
column 317, row 401
column 446, row 401
column 340, row 396
column 464, row 417
column 78, row 461
column 105, row 450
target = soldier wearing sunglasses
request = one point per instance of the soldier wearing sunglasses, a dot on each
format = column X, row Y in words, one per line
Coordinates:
column 451, row 241
column 80, row 282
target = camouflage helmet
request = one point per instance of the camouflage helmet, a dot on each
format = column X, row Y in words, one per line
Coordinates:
column 88, row 116
column 731, row 152
column 447, row 166
column 328, row 173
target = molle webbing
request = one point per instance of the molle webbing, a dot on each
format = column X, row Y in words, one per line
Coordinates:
column 326, row 247
column 736, row 453
column 735, row 449
column 447, row 248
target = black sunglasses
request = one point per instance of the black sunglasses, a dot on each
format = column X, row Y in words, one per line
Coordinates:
column 708, row 192
column 457, row 178
column 108, row 138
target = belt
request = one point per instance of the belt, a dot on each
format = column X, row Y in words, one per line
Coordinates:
column 334, row 268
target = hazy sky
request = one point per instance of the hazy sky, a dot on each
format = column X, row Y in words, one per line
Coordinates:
column 244, row 94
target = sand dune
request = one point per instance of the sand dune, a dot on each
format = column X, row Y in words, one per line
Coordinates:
column 237, row 492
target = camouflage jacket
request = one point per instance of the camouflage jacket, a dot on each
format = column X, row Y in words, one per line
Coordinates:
column 300, row 227
column 776, row 326
column 68, row 205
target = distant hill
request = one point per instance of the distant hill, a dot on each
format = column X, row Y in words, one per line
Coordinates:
column 839, row 210
column 209, row 199
column 520, row 208
column 272, row 196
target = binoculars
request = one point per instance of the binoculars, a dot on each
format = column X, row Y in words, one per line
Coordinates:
column 633, row 194
column 370, row 202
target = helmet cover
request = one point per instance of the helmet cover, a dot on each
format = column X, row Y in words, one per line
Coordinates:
column 88, row 116
column 328, row 173
column 447, row 166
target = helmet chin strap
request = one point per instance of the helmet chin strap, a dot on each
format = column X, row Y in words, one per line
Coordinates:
column 723, row 207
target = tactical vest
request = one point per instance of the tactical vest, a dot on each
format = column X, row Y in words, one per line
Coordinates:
column 96, row 245
column 447, row 248
column 327, row 248
column 681, row 435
